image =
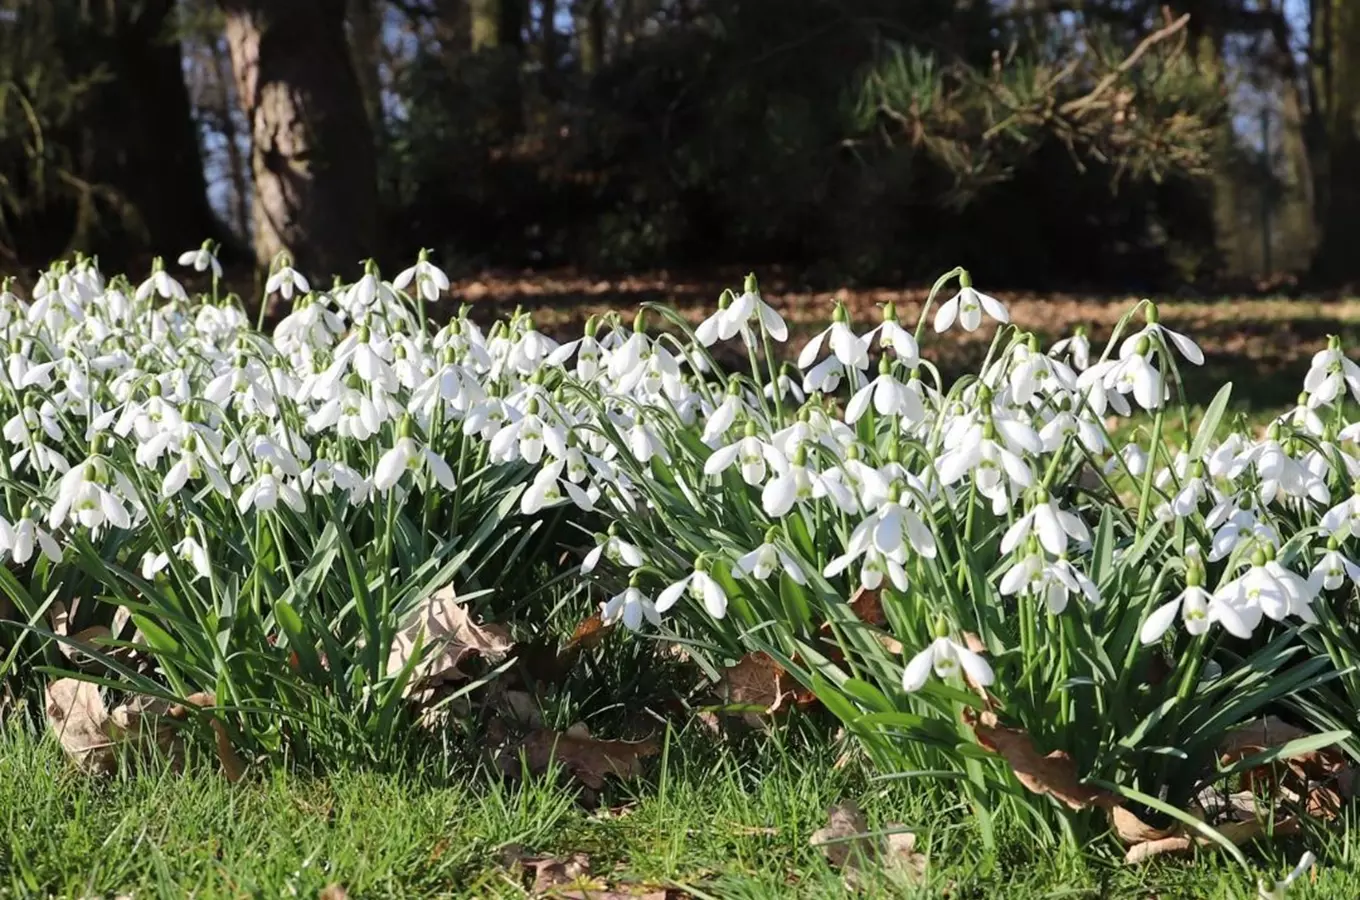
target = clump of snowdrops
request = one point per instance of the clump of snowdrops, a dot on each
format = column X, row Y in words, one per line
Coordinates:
column 263, row 518
column 920, row 554
column 928, row 556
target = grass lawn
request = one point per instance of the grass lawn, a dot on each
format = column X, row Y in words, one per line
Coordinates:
column 708, row 820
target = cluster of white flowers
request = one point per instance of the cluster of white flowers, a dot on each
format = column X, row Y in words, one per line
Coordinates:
column 109, row 388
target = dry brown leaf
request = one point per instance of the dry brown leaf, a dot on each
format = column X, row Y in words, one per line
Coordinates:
column 1139, row 853
column 232, row 766
column 756, row 680
column 77, row 716
column 866, row 605
column 1133, row 830
column 333, row 892
column 1054, row 774
column 444, row 627
column 760, row 687
column 848, row 846
column 1319, row 780
column 589, row 634
column 61, row 618
column 550, row 872
column 585, row 758
column 844, row 834
column 91, row 734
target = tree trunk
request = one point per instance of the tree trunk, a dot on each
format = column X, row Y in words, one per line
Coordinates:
column 145, row 141
column 311, row 146
column 366, row 42
column 1337, row 260
column 485, row 31
column 591, row 25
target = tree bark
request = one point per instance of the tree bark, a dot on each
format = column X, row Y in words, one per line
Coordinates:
column 144, row 139
column 366, row 42
column 311, row 146
column 1337, row 260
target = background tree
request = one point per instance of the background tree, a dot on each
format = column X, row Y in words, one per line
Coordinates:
column 1201, row 141
column 312, row 157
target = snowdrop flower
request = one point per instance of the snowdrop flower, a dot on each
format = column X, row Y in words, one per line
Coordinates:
column 325, row 475
column 751, row 306
column 889, row 396
column 613, row 548
column 796, row 483
column 846, row 347
column 587, row 351
column 1260, row 588
column 1333, row 569
column 202, row 259
column 264, row 493
column 714, row 328
column 24, row 536
column 999, row 472
column 160, row 283
column 83, row 494
column 1133, row 374
column 967, row 306
column 784, row 387
column 1078, row 347
column 893, row 336
column 946, row 658
column 1051, row 524
column 1192, row 493
column 286, row 279
column 645, row 443
column 1031, row 373
column 753, row 456
column 1153, row 330
column 825, row 377
column 551, row 488
column 630, row 607
column 1330, row 373
column 188, row 550
column 408, row 456
column 767, row 559
column 700, row 586
column 1343, row 520
column 1198, row 609
column 527, row 436
column 429, row 279
column 722, row 418
column 1055, row 583
column 895, row 527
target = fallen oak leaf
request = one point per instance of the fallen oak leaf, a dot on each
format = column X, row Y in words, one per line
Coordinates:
column 848, row 846
column 1322, row 776
column 585, row 758
column 443, row 626
column 1054, row 774
column 78, row 717
column 757, row 685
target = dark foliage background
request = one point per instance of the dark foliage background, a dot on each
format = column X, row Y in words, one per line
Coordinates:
column 1110, row 143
